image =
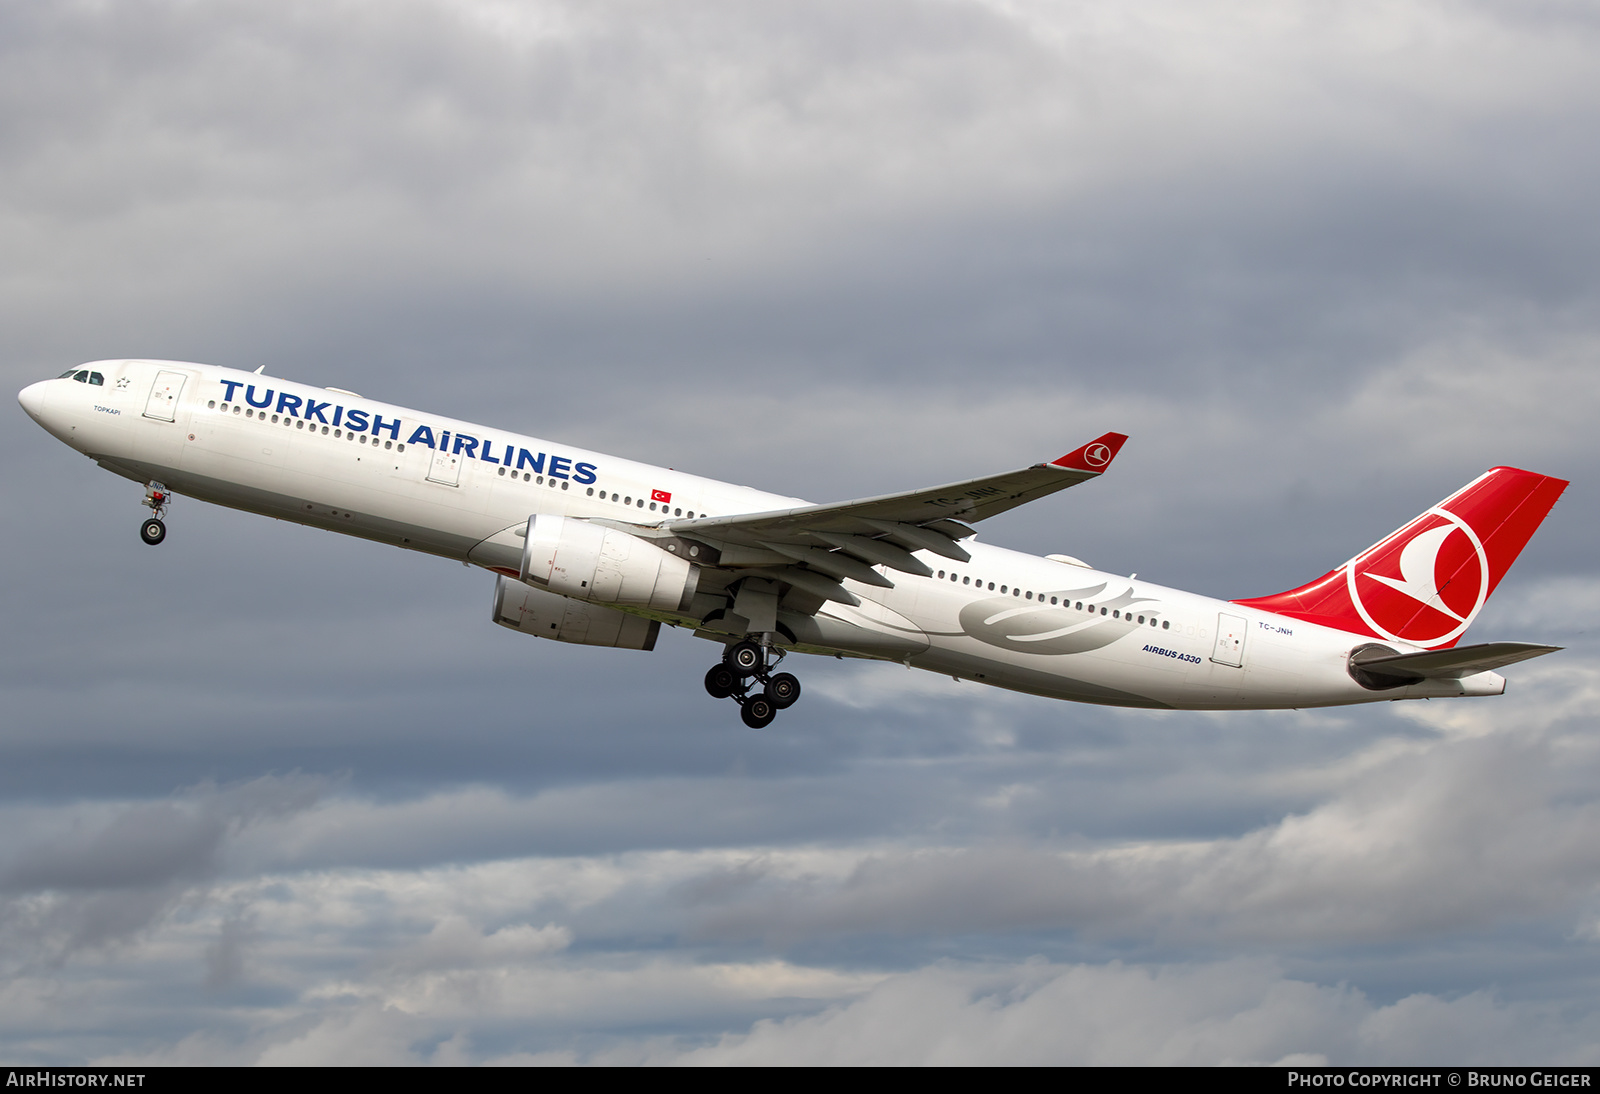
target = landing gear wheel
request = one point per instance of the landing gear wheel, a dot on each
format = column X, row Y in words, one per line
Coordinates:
column 782, row 690
column 758, row 712
column 152, row 531
column 721, row 681
column 745, row 658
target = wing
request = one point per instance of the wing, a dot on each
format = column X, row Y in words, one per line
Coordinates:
column 816, row 546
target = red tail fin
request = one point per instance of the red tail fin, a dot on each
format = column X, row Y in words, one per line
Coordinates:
column 1425, row 583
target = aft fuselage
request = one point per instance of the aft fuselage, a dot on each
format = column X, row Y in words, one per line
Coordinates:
column 334, row 460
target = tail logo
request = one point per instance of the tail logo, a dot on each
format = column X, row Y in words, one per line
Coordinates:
column 1097, row 455
column 1423, row 585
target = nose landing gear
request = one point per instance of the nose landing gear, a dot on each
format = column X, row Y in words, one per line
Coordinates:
column 743, row 665
column 156, row 498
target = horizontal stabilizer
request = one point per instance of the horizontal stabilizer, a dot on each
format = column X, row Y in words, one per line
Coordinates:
column 1450, row 664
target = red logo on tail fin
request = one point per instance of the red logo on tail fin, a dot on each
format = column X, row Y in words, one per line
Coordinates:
column 1425, row 583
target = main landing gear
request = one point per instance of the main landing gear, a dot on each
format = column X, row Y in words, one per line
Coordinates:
column 156, row 498
column 743, row 665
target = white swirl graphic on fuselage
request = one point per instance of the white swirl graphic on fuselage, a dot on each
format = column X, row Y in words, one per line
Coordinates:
column 1043, row 628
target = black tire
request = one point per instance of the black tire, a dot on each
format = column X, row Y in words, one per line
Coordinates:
column 758, row 712
column 152, row 531
column 782, row 690
column 745, row 658
column 720, row 681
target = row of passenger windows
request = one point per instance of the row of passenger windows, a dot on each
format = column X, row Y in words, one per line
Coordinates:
column 604, row 496
column 538, row 480
column 298, row 423
column 1114, row 613
column 83, row 376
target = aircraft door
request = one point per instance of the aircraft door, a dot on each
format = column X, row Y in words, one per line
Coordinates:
column 1229, row 649
column 163, row 402
column 446, row 469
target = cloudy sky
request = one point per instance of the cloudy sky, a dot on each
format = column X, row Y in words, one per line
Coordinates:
column 273, row 796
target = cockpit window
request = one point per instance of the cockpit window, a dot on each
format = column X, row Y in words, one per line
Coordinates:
column 97, row 379
column 67, row 375
column 82, row 376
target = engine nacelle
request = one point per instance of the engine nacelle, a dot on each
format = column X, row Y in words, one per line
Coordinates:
column 550, row 615
column 590, row 562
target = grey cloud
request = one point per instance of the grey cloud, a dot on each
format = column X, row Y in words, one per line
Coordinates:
column 102, row 883
column 1234, row 1013
column 1431, row 839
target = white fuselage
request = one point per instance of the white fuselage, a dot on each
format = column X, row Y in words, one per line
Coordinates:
column 338, row 461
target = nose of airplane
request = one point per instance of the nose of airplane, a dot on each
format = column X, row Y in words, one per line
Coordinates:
column 33, row 398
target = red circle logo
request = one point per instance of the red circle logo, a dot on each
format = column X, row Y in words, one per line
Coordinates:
column 1424, row 584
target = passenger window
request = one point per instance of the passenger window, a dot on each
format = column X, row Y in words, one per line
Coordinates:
column 1052, row 600
column 677, row 512
column 1002, row 588
column 1029, row 595
column 652, row 507
column 501, row 472
column 966, row 581
column 991, row 586
column 212, row 405
column 1165, row 624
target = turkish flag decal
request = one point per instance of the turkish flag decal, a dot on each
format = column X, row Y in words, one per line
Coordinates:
column 661, row 496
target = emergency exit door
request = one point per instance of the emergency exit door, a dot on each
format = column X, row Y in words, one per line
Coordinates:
column 1230, row 641
column 446, row 468
column 163, row 402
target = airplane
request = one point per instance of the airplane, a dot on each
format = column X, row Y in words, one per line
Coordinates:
column 598, row 550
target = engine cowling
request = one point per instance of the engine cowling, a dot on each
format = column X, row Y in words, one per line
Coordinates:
column 589, row 562
column 550, row 615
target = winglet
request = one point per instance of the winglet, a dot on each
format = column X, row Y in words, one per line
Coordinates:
column 1095, row 456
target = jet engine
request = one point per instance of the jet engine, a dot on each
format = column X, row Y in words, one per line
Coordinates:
column 590, row 562
column 550, row 615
